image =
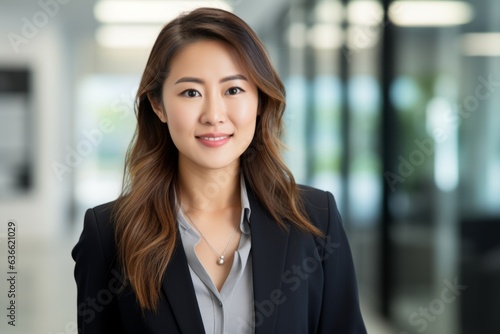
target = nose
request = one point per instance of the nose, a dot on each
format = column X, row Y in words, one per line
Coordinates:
column 213, row 110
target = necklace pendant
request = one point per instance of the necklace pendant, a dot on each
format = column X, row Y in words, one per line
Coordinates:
column 220, row 261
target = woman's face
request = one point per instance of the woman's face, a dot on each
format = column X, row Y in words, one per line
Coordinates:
column 210, row 105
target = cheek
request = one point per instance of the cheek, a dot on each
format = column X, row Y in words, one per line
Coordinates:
column 179, row 119
column 247, row 115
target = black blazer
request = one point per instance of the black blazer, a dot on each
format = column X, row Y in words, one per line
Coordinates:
column 302, row 284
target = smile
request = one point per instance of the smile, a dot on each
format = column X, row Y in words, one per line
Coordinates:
column 214, row 138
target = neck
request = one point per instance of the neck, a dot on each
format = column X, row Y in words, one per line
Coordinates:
column 209, row 189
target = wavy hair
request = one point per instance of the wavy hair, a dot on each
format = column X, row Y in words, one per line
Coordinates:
column 144, row 214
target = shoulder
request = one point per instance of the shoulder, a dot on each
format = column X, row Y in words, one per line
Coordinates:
column 103, row 211
column 101, row 216
column 314, row 196
column 98, row 232
column 97, row 274
column 320, row 206
column 316, row 199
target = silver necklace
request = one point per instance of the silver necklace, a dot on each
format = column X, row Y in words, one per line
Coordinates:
column 220, row 260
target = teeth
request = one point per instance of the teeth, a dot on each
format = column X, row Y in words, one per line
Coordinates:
column 213, row 138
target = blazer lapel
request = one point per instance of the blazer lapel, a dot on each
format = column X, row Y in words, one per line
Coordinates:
column 179, row 290
column 269, row 249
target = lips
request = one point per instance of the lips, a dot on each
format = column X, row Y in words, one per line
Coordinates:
column 214, row 139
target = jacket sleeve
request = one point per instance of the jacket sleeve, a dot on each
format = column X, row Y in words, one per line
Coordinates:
column 97, row 282
column 340, row 312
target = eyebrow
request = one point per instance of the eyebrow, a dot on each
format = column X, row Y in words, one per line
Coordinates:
column 198, row 80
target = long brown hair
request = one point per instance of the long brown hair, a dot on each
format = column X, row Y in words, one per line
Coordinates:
column 145, row 213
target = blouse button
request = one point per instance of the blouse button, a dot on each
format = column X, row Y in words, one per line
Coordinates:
column 220, row 304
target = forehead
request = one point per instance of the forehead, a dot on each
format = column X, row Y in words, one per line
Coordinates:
column 205, row 58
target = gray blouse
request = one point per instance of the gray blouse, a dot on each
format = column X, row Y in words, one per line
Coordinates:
column 230, row 311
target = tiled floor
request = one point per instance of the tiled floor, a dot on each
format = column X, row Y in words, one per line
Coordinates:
column 46, row 302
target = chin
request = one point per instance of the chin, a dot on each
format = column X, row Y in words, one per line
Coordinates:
column 217, row 166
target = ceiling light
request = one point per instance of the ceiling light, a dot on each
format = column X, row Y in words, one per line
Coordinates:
column 153, row 11
column 117, row 36
column 365, row 12
column 481, row 44
column 430, row 13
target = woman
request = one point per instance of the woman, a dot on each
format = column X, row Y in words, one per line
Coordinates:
column 211, row 234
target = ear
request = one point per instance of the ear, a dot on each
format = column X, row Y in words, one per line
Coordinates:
column 157, row 108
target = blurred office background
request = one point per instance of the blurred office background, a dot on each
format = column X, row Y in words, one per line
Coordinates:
column 394, row 106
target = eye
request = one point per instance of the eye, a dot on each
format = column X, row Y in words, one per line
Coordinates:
column 191, row 93
column 234, row 90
